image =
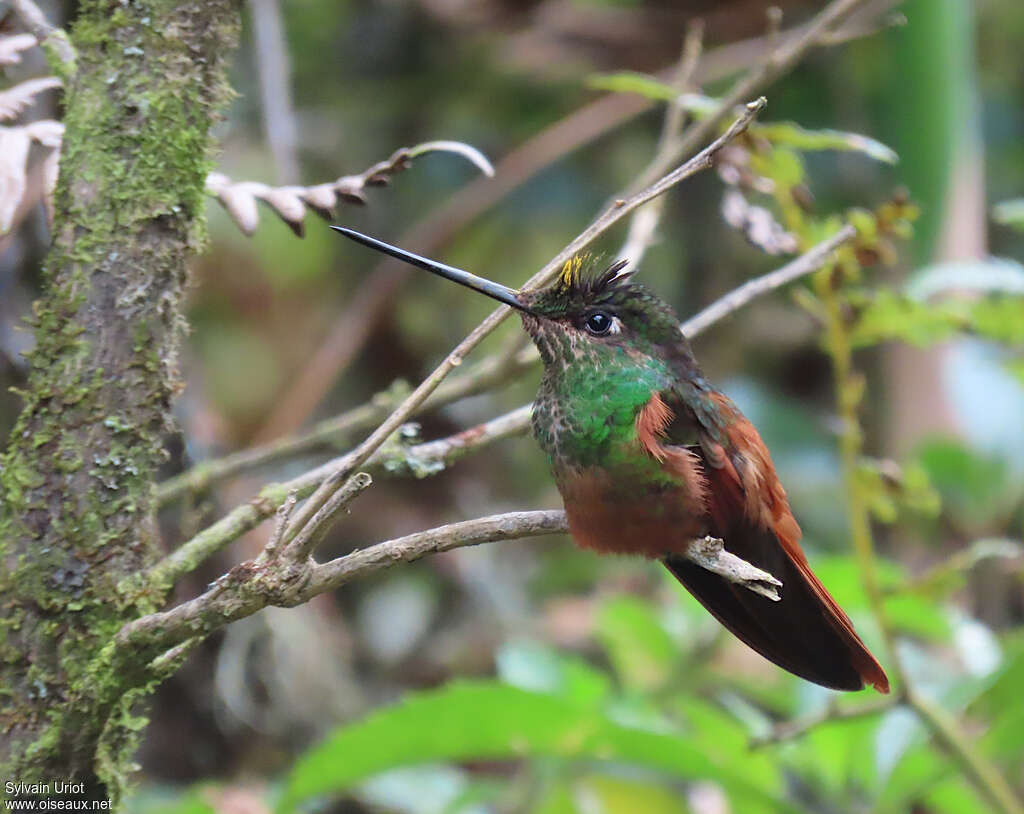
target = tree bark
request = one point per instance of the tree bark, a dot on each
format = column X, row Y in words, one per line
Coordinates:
column 77, row 515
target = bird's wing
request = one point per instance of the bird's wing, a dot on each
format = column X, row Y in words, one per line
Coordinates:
column 806, row 632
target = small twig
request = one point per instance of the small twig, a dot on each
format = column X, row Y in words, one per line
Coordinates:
column 788, row 730
column 805, row 264
column 60, row 53
column 274, row 71
column 284, row 514
column 431, row 457
column 420, row 459
column 493, row 371
column 253, row 585
column 309, row 535
column 710, row 554
column 168, row 663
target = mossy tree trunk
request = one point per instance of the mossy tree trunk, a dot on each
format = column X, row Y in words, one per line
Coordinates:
column 76, row 506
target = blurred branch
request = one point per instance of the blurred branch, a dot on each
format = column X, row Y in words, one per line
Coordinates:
column 644, row 223
column 805, row 264
column 239, row 198
column 285, row 576
column 490, row 373
column 982, row 773
column 788, row 730
column 988, row 548
column 275, row 87
column 60, row 53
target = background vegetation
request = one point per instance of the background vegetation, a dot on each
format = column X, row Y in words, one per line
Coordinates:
column 530, row 676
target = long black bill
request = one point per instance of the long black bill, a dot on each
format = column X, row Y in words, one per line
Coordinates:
column 494, row 290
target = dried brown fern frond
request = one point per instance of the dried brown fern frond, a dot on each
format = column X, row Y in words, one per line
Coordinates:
column 14, row 100
column 240, row 198
column 12, row 45
column 14, row 146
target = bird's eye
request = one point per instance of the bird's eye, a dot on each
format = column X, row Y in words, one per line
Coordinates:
column 599, row 323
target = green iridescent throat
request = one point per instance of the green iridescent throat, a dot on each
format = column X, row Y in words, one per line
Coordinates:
column 586, row 408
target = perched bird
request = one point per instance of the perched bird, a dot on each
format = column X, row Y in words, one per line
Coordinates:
column 648, row 456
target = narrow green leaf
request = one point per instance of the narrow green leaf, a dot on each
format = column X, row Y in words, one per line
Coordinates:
column 793, row 135
column 632, row 82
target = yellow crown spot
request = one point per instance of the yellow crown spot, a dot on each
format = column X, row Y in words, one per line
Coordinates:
column 572, row 270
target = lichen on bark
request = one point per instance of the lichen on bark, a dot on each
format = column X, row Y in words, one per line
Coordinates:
column 76, row 482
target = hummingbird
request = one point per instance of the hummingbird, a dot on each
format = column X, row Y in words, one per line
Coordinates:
column 648, row 456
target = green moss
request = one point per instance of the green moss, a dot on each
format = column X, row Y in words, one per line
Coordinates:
column 76, row 515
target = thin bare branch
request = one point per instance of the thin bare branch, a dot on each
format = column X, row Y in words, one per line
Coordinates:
column 256, row 584
column 805, row 264
column 789, row 730
column 307, row 536
column 493, row 371
column 274, row 70
column 252, row 585
column 393, row 459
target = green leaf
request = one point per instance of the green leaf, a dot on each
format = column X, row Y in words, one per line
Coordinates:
column 641, row 651
column 917, row 616
column 557, row 799
column 1000, row 704
column 955, row 796
column 1000, row 319
column 534, row 666
column 490, row 721
column 789, row 134
column 888, row 487
column 886, row 316
column 195, row 800
column 618, row 795
column 973, row 486
column 782, row 165
column 1010, row 213
column 783, row 134
column 632, row 82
